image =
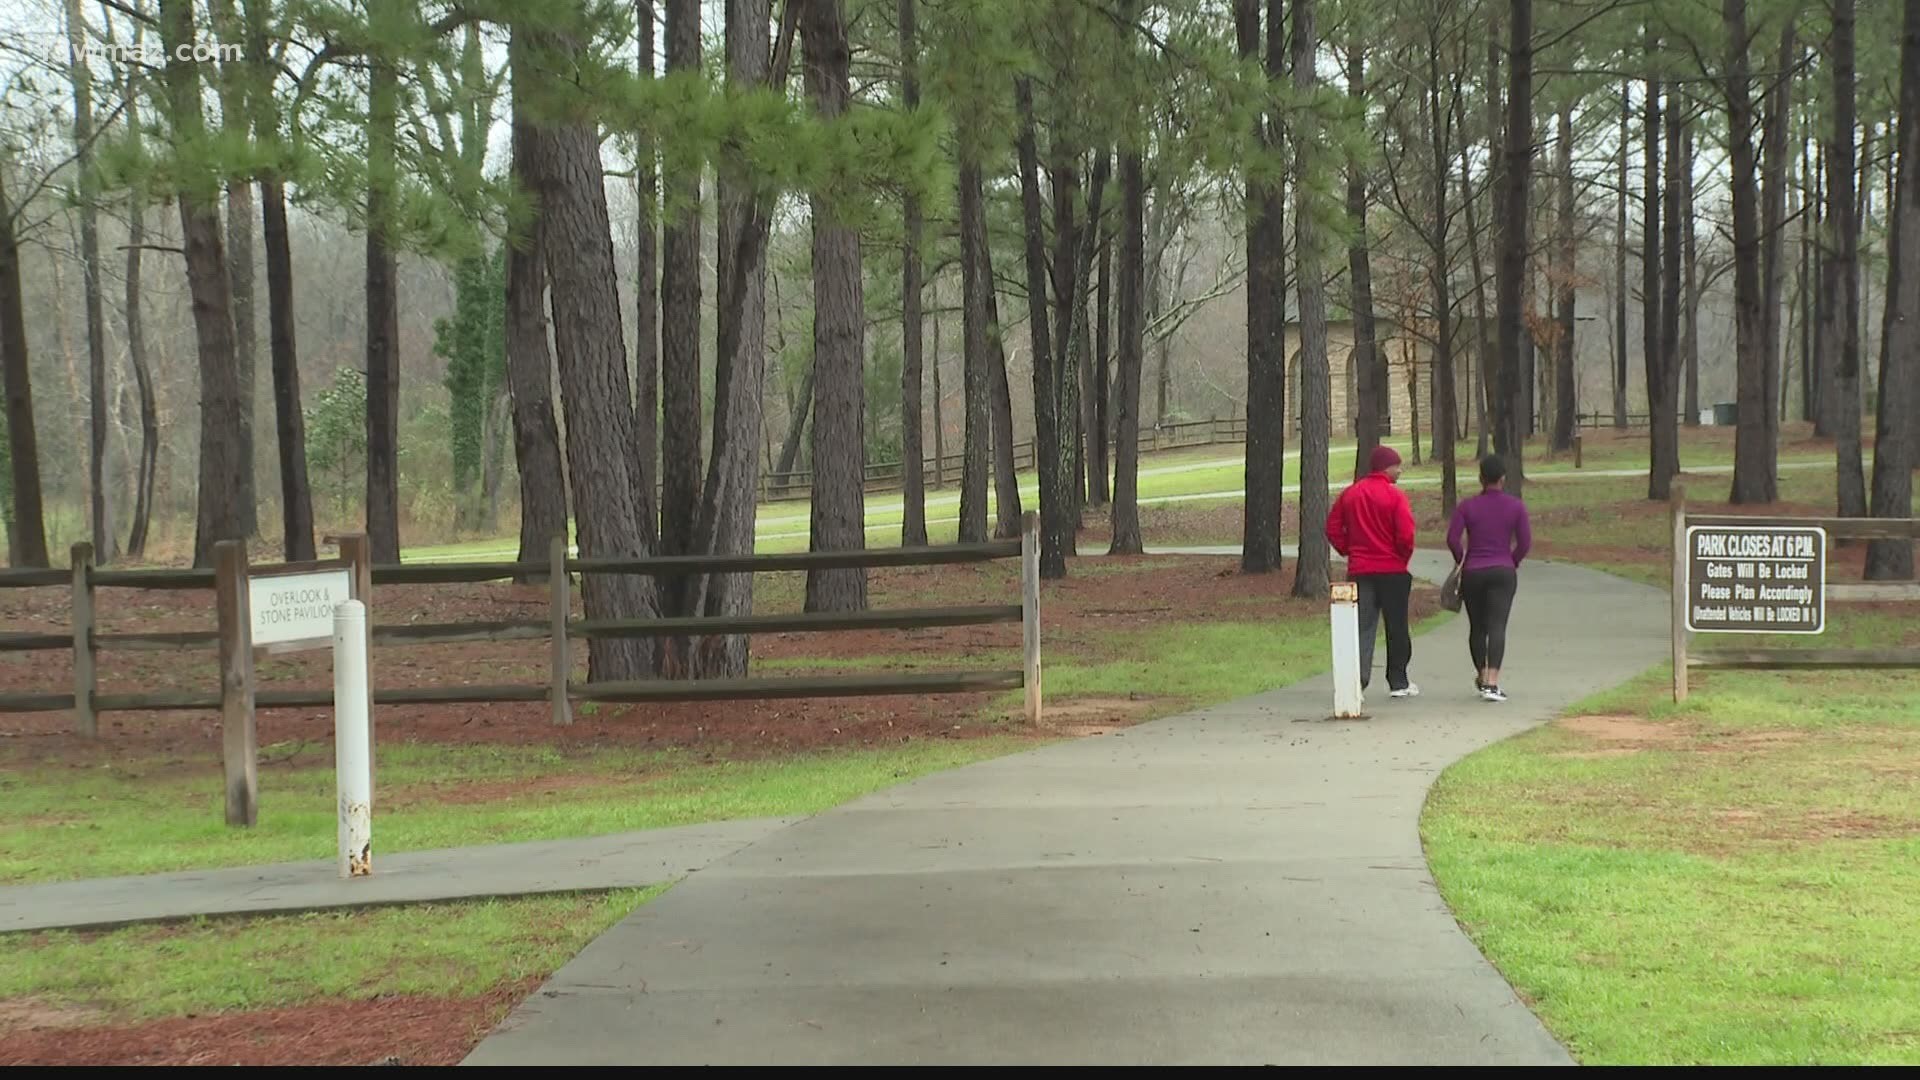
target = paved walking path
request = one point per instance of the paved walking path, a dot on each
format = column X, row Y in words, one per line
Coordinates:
column 1240, row 885
column 600, row 862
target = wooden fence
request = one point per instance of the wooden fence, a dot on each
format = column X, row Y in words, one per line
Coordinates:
column 228, row 579
column 1786, row 659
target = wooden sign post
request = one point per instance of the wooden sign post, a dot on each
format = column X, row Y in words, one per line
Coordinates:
column 283, row 608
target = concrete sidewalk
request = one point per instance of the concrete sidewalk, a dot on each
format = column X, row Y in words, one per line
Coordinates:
column 1241, row 885
column 624, row 860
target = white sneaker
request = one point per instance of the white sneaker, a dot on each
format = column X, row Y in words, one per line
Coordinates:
column 1493, row 693
column 1412, row 690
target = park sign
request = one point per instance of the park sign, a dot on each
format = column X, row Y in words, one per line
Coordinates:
column 293, row 608
column 1756, row 579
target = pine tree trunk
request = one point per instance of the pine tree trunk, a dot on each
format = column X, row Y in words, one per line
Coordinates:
column 1482, row 403
column 565, row 176
column 1894, row 452
column 383, row 324
column 1006, row 476
column 977, row 333
column 148, row 465
column 680, row 289
column 839, row 413
column 1620, row 267
column 290, row 426
column 1099, row 431
column 913, row 521
column 1776, row 156
column 296, row 494
column 1054, row 498
column 646, row 318
column 1752, row 478
column 26, row 526
column 1663, row 400
column 1312, row 571
column 1130, row 355
column 1266, row 361
column 1651, row 321
column 1441, row 384
column 1564, row 403
column 1517, row 152
column 105, row 538
column 727, row 507
column 223, row 467
column 234, row 114
column 1690, row 337
column 1840, row 274
column 1368, row 382
column 536, row 434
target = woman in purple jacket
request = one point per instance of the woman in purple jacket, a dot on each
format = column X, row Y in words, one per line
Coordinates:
column 1498, row 539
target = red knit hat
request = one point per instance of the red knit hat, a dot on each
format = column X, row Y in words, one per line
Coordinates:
column 1383, row 458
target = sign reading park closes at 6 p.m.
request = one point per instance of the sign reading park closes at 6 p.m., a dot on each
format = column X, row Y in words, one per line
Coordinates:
column 296, row 608
column 1756, row 579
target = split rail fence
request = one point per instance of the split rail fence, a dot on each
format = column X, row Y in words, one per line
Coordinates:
column 238, row 695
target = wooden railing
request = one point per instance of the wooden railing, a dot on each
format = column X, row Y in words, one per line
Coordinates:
column 1786, row 659
column 560, row 628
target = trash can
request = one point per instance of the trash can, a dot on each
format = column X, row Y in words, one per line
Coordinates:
column 1726, row 414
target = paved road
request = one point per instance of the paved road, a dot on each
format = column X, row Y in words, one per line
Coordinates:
column 1240, row 885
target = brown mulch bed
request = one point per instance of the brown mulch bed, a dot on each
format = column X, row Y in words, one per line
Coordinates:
column 382, row 1031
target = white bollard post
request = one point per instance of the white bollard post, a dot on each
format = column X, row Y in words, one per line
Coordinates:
column 352, row 739
column 1345, row 620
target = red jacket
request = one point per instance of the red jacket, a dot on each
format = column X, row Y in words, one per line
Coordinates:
column 1372, row 525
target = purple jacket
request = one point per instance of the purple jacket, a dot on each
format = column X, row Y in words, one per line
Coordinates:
column 1498, row 532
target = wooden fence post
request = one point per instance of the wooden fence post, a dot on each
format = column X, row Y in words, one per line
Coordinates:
column 357, row 549
column 239, row 744
column 1679, row 586
column 86, row 722
column 1576, row 450
column 1030, row 608
column 562, row 603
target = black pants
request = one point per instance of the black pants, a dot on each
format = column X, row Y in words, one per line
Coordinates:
column 1488, row 596
column 1385, row 595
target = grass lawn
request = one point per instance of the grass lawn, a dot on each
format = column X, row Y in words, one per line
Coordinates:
column 450, row 950
column 1729, row 881
column 140, row 817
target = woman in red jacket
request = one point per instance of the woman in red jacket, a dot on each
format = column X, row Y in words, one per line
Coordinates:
column 1371, row 524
